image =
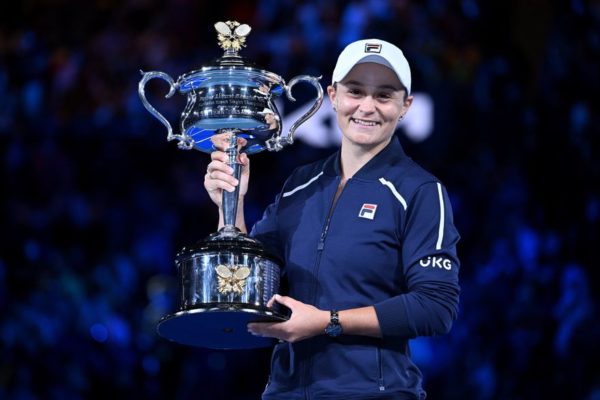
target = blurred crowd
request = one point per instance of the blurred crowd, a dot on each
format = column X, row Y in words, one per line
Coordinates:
column 95, row 203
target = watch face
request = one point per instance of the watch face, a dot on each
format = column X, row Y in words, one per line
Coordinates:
column 333, row 330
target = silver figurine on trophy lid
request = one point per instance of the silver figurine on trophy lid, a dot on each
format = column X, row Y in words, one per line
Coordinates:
column 226, row 280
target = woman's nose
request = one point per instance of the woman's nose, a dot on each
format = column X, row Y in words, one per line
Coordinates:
column 367, row 105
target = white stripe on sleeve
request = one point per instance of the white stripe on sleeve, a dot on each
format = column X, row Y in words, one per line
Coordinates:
column 438, row 246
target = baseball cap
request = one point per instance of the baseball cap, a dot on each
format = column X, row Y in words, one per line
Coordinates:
column 373, row 50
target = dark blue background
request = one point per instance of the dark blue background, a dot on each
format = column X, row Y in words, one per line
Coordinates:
column 95, row 203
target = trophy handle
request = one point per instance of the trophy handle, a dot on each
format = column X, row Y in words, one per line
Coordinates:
column 289, row 139
column 185, row 141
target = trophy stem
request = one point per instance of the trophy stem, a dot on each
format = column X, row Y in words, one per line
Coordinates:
column 230, row 199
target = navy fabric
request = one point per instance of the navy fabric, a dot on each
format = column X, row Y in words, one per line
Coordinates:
column 389, row 241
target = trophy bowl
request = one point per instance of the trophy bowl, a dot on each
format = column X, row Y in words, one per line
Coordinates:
column 226, row 280
column 230, row 94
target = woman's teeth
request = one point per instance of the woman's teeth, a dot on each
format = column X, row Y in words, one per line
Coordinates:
column 363, row 122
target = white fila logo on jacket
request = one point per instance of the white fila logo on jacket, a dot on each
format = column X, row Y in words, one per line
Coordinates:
column 368, row 211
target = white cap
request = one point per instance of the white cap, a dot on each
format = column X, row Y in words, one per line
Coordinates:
column 373, row 50
column 266, row 111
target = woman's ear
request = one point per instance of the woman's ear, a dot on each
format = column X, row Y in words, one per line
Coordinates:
column 407, row 103
column 331, row 92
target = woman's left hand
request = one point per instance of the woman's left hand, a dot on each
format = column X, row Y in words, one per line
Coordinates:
column 305, row 321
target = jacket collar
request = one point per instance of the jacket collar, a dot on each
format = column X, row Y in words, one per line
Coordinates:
column 375, row 168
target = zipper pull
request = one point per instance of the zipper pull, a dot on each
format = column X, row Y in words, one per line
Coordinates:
column 321, row 244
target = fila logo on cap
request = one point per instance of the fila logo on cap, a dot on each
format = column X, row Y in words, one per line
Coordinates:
column 368, row 211
column 372, row 47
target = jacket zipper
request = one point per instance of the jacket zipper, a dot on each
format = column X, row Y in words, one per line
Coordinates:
column 321, row 244
column 380, row 366
column 320, row 247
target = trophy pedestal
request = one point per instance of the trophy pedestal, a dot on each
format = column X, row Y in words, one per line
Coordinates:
column 225, row 283
column 218, row 326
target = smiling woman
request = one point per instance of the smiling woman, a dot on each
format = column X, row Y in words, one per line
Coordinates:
column 354, row 230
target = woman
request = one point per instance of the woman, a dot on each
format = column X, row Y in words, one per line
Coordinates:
column 368, row 241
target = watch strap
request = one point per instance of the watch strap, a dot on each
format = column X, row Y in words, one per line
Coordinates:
column 334, row 317
column 334, row 328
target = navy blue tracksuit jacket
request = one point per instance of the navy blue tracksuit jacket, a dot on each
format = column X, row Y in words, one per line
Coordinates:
column 389, row 241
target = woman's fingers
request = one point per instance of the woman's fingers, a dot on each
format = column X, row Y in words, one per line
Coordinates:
column 243, row 159
column 219, row 156
column 219, row 175
column 218, row 180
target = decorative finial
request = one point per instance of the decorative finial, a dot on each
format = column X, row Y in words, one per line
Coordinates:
column 232, row 35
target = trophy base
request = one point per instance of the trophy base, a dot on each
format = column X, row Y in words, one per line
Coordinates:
column 218, row 326
column 226, row 282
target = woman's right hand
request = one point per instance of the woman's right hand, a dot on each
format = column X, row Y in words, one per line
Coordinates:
column 219, row 176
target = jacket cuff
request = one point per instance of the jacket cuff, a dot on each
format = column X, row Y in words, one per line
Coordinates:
column 393, row 318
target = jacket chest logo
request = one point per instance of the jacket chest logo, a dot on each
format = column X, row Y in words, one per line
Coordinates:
column 367, row 211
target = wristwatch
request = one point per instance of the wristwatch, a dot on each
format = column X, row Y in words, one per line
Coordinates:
column 334, row 328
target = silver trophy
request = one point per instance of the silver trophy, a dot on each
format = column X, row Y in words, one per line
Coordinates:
column 226, row 280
